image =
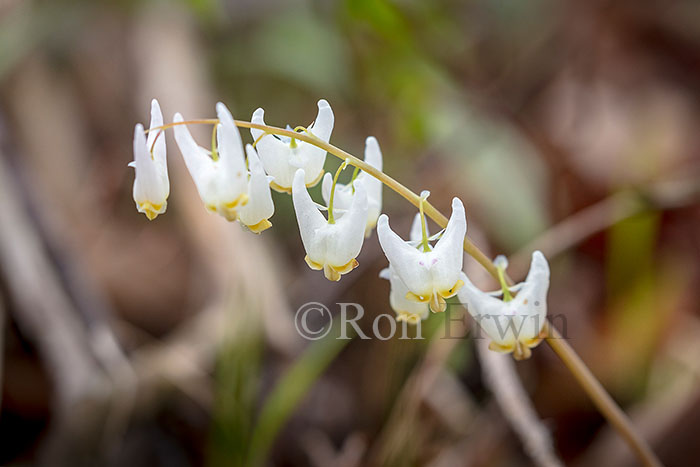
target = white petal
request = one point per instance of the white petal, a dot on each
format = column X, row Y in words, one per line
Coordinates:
column 408, row 263
column 257, row 118
column 151, row 183
column 531, row 301
column 373, row 156
column 231, row 160
column 273, row 153
column 343, row 195
column 141, row 156
column 309, row 218
column 260, row 205
column 349, row 232
column 323, row 125
column 417, row 229
column 281, row 160
column 448, row 250
column 159, row 150
column 326, row 185
column 309, row 157
column 145, row 179
column 385, row 273
column 397, row 297
column 489, row 312
column 198, row 162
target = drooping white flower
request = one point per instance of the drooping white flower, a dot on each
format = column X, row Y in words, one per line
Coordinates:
column 221, row 181
column 151, row 184
column 256, row 213
column 433, row 275
column 407, row 310
column 331, row 247
column 515, row 325
column 344, row 193
column 281, row 156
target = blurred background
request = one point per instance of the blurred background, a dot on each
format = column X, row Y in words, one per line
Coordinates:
column 571, row 127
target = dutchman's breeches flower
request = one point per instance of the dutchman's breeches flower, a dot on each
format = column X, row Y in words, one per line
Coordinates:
column 282, row 157
column 407, row 310
column 151, row 185
column 430, row 274
column 344, row 193
column 221, row 178
column 514, row 324
column 255, row 214
column 330, row 245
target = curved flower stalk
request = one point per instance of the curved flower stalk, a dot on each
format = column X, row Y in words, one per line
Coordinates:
column 344, row 193
column 403, row 259
column 331, row 246
column 430, row 274
column 255, row 214
column 151, row 183
column 282, row 156
column 407, row 310
column 513, row 324
column 221, row 178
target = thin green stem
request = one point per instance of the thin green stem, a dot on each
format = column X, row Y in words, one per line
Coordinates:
column 602, row 400
column 507, row 296
column 331, row 219
column 214, row 151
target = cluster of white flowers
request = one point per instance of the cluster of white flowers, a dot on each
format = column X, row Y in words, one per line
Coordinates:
column 421, row 276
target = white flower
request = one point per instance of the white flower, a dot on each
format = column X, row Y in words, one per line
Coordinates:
column 344, row 193
column 222, row 183
column 281, row 156
column 151, row 185
column 255, row 214
column 407, row 310
column 434, row 275
column 515, row 325
column 331, row 247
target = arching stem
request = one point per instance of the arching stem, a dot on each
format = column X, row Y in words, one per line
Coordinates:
column 602, row 400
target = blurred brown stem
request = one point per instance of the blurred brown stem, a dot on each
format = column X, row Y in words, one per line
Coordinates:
column 667, row 194
column 602, row 400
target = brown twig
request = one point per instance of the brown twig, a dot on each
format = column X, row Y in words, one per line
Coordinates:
column 669, row 194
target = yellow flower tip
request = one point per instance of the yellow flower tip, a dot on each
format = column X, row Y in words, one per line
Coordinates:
column 437, row 303
column 331, row 274
column 229, row 214
column 260, row 227
column 280, row 188
column 522, row 351
column 151, row 210
column 417, row 298
column 241, row 200
column 500, row 348
column 346, row 268
column 229, row 211
column 452, row 291
column 313, row 264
